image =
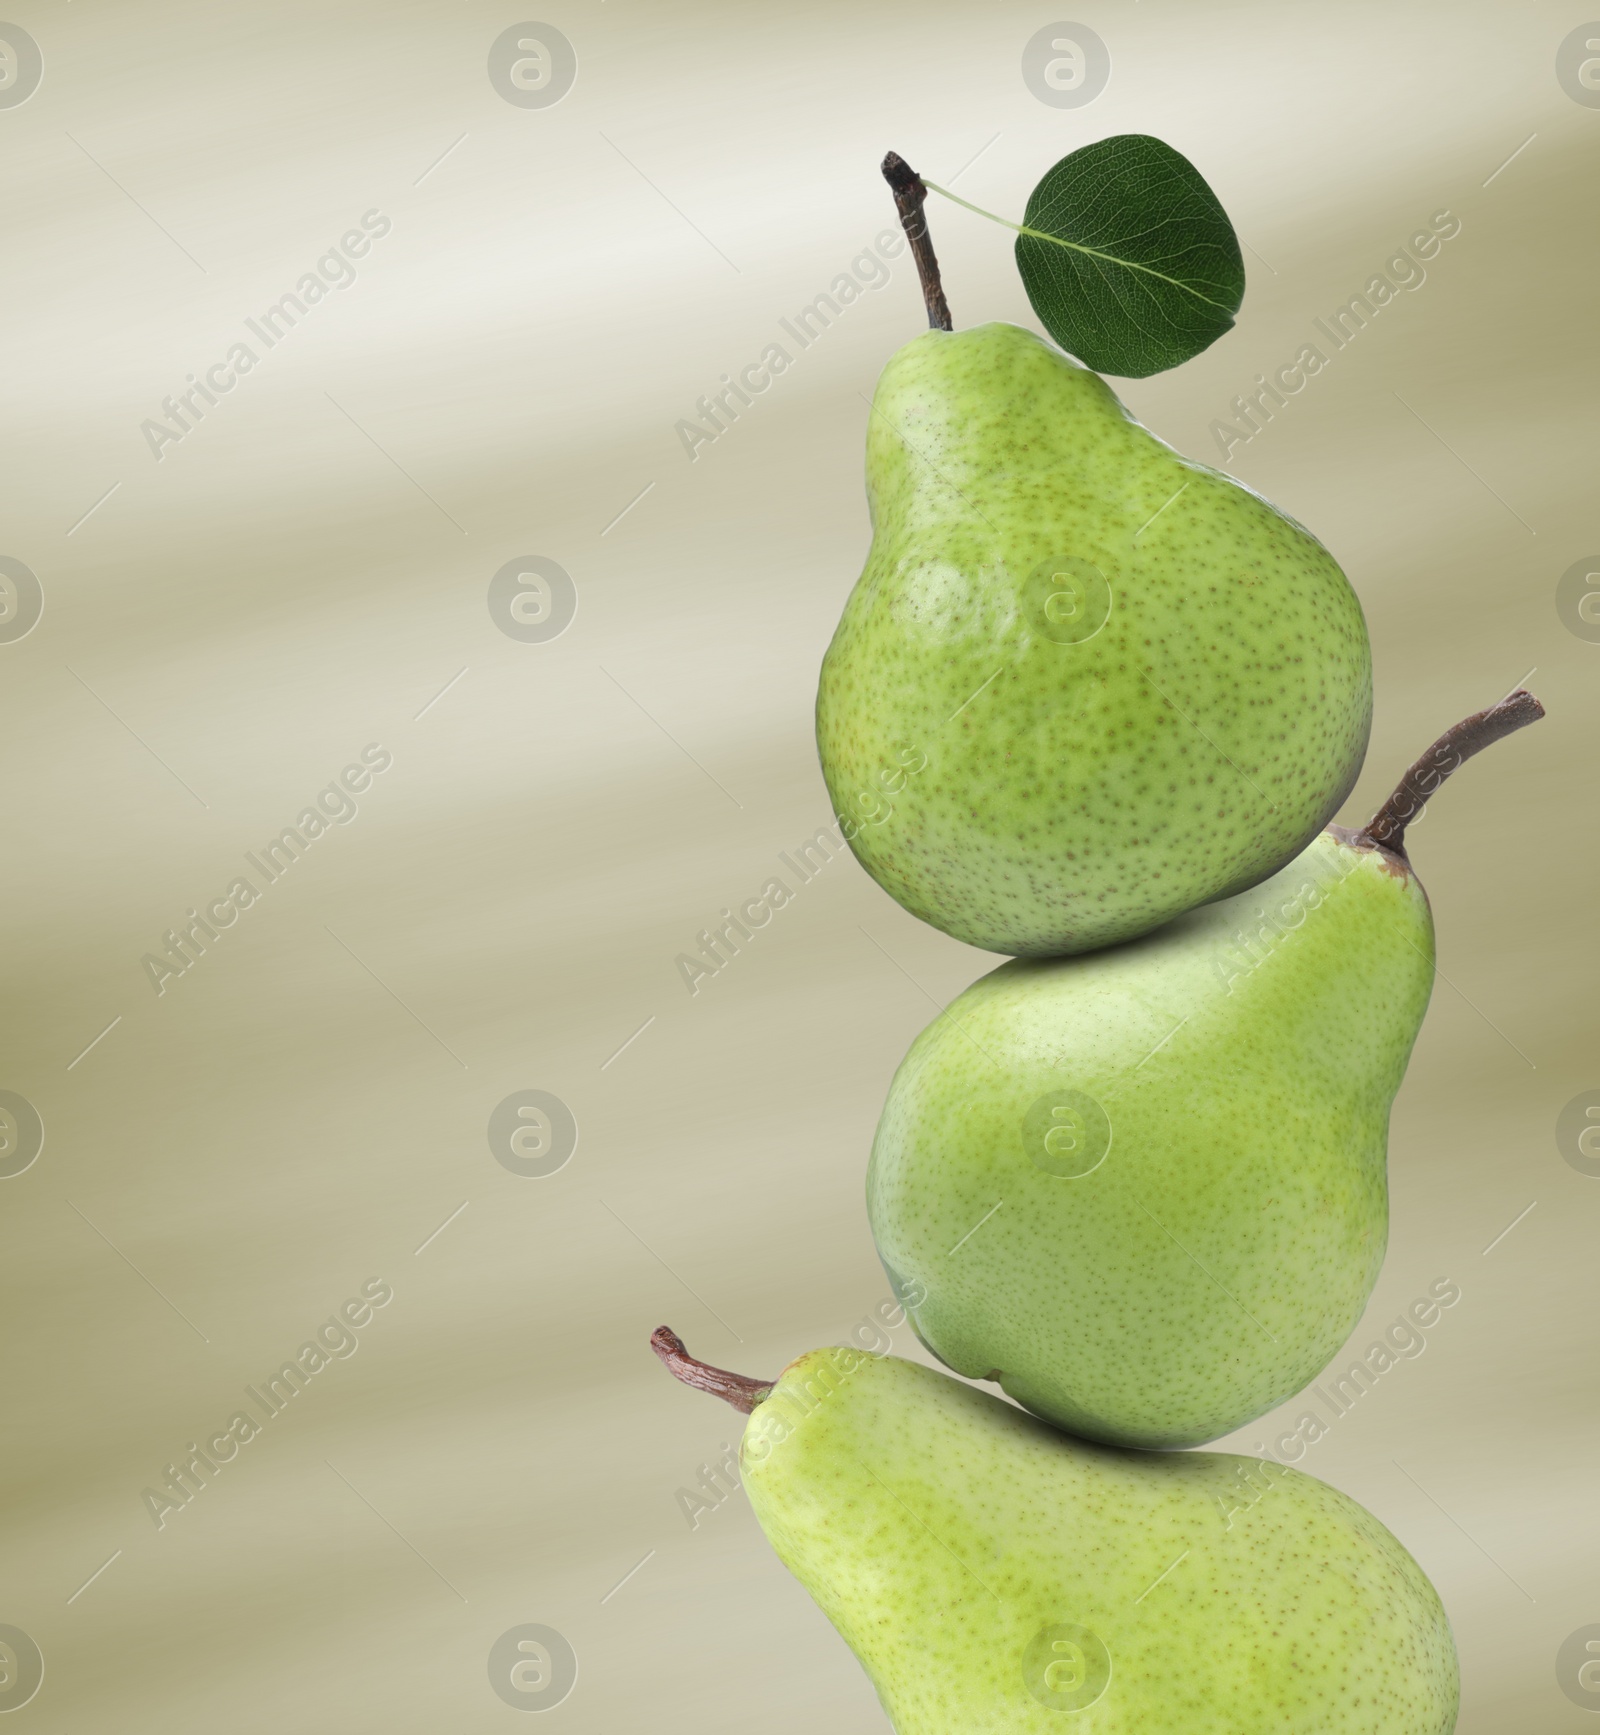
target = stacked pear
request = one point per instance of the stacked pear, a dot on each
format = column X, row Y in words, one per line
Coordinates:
column 1146, row 1189
column 996, row 1577
column 1083, row 684
column 1092, row 705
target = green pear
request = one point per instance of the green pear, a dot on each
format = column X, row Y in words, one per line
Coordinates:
column 1083, row 685
column 1146, row 1189
column 995, row 1577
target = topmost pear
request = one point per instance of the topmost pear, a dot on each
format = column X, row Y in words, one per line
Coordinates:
column 1083, row 685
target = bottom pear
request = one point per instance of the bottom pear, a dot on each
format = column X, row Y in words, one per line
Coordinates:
column 996, row 1577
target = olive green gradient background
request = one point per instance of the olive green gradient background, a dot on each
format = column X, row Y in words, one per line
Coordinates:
column 308, row 569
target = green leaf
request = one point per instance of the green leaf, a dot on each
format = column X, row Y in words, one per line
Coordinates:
column 1129, row 260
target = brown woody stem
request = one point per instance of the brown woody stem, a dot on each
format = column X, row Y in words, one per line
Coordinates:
column 909, row 195
column 744, row 1394
column 1453, row 748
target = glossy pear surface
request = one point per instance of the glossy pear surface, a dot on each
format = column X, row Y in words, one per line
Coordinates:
column 1082, row 685
column 1147, row 1189
column 995, row 1577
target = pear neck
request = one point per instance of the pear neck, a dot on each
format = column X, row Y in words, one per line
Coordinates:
column 909, row 198
column 736, row 1389
column 1387, row 827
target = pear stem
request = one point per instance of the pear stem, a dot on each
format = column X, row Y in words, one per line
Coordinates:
column 744, row 1394
column 909, row 197
column 1387, row 827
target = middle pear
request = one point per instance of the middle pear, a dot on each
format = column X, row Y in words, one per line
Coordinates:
column 1146, row 1189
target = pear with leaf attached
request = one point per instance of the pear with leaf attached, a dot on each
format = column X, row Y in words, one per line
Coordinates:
column 1146, row 1190
column 1083, row 684
column 995, row 1576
